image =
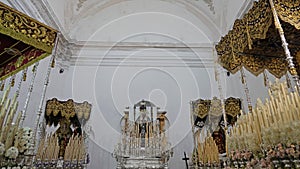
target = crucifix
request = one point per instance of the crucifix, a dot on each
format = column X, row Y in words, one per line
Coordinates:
column 186, row 160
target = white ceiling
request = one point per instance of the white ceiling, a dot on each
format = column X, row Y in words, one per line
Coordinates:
column 192, row 21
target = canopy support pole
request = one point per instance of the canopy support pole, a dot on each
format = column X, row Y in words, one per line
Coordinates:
column 289, row 58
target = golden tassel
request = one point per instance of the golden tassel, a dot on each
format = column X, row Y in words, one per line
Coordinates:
column 265, row 79
column 242, row 77
column 2, row 85
column 53, row 62
column 12, row 83
column 25, row 75
column 250, row 108
column 34, row 68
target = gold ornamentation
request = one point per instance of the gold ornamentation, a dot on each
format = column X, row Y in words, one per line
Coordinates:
column 258, row 31
column 288, row 11
column 214, row 107
column 53, row 63
column 2, row 85
column 232, row 106
column 68, row 109
column 201, row 107
column 293, row 71
column 12, row 83
column 25, row 74
column 21, row 27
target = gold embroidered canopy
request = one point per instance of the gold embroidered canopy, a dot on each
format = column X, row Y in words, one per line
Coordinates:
column 75, row 113
column 254, row 42
column 202, row 108
column 23, row 41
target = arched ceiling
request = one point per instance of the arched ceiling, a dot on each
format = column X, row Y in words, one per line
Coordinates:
column 83, row 18
column 191, row 21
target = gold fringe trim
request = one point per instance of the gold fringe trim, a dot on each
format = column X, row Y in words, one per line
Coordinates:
column 34, row 68
column 24, row 66
column 25, row 74
column 12, row 83
column 2, row 85
column 53, row 63
column 242, row 77
column 265, row 78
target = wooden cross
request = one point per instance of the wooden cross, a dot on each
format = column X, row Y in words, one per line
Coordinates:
column 186, row 160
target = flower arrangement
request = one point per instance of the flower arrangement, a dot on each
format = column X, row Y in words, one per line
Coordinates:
column 21, row 146
column 270, row 132
column 25, row 140
column 12, row 153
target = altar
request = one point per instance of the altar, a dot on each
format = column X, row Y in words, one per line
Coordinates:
column 144, row 142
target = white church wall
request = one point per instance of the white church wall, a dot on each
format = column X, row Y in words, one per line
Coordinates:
column 111, row 88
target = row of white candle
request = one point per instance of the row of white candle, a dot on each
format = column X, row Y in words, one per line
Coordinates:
column 283, row 108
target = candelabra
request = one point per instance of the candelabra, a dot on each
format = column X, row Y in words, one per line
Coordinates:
column 144, row 142
column 270, row 133
column 16, row 143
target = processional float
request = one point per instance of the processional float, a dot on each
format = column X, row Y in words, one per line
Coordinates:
column 209, row 131
column 265, row 39
column 27, row 41
column 66, row 145
column 144, row 140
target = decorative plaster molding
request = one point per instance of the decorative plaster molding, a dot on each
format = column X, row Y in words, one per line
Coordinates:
column 80, row 4
column 67, row 50
column 211, row 6
column 95, row 54
column 207, row 19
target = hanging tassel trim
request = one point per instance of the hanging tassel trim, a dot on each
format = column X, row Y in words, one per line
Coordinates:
column 2, row 85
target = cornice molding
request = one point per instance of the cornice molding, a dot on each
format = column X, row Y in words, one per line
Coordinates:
column 104, row 54
column 68, row 50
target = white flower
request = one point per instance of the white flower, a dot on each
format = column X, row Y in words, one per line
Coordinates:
column 25, row 140
column 2, row 148
column 12, row 152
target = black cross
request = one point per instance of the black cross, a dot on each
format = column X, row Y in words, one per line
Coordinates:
column 186, row 159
